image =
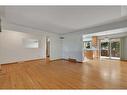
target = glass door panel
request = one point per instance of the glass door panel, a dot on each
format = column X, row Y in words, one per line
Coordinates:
column 105, row 49
column 115, row 48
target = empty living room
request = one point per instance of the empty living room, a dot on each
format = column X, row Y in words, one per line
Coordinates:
column 63, row 47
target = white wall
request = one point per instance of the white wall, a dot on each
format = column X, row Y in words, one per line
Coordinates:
column 12, row 49
column 124, row 48
column 55, row 46
column 73, row 46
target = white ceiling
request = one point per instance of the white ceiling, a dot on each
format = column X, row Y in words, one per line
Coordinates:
column 60, row 19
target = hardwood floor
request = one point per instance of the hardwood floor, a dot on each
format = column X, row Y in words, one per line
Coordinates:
column 104, row 74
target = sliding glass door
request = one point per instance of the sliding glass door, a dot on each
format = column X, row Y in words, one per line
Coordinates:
column 110, row 48
column 115, row 48
column 105, row 49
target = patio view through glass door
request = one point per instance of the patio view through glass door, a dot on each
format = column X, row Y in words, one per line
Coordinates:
column 115, row 48
column 110, row 48
column 105, row 48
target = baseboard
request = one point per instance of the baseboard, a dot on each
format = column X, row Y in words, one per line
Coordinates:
column 38, row 60
column 21, row 61
column 9, row 63
column 34, row 60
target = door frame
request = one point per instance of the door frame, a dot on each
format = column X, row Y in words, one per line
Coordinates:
column 48, row 47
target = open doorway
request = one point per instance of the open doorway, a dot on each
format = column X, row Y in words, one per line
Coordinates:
column 47, row 48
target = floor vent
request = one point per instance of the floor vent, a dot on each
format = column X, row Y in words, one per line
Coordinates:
column 72, row 60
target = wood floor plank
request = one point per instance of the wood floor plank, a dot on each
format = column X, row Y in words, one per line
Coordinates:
column 61, row 74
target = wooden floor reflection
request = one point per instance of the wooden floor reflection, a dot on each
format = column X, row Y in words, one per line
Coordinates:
column 104, row 74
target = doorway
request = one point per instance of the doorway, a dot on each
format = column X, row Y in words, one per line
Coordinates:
column 47, row 47
column 110, row 48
